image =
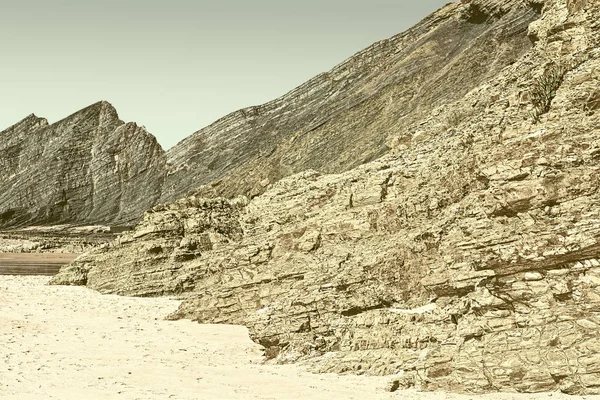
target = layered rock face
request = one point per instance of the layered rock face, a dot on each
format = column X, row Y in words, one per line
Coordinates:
column 152, row 255
column 90, row 167
column 467, row 259
column 343, row 118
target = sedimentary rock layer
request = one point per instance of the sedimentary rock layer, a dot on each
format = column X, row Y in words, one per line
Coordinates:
column 90, row 167
column 467, row 259
column 347, row 116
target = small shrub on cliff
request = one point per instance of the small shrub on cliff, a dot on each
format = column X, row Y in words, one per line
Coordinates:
column 544, row 90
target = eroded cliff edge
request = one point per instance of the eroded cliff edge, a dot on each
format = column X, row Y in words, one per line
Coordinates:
column 90, row 167
column 467, row 259
column 347, row 116
column 93, row 168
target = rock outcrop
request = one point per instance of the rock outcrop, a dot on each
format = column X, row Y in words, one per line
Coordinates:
column 345, row 117
column 90, row 167
column 467, row 259
column 55, row 239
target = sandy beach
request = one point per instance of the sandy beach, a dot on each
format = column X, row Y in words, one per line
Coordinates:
column 73, row 343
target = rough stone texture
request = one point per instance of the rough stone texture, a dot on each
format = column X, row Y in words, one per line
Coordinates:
column 343, row 118
column 89, row 167
column 465, row 260
column 151, row 255
column 93, row 168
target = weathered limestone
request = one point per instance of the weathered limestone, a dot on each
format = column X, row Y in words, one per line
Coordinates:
column 171, row 235
column 55, row 239
column 93, row 168
column 90, row 167
column 467, row 259
column 344, row 118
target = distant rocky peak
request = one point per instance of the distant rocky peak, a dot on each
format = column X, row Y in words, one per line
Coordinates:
column 98, row 115
column 106, row 112
column 29, row 123
column 106, row 109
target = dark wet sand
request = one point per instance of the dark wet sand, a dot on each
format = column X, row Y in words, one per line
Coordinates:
column 33, row 263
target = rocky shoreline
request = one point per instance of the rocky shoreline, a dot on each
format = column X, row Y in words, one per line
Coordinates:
column 427, row 210
column 466, row 259
column 71, row 343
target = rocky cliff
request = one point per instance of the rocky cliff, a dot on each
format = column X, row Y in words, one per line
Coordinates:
column 345, row 117
column 96, row 169
column 467, row 259
column 89, row 167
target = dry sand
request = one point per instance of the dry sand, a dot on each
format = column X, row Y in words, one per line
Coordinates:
column 73, row 343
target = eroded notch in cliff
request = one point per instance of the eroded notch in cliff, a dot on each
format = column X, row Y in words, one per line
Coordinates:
column 359, row 310
column 475, row 15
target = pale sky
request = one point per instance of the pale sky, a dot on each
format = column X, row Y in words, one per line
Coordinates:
column 176, row 66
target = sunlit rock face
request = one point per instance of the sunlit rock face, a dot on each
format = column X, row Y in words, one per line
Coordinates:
column 90, row 167
column 93, row 168
column 465, row 259
column 353, row 113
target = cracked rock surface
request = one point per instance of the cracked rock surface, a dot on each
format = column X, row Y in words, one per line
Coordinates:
column 89, row 167
column 466, row 259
